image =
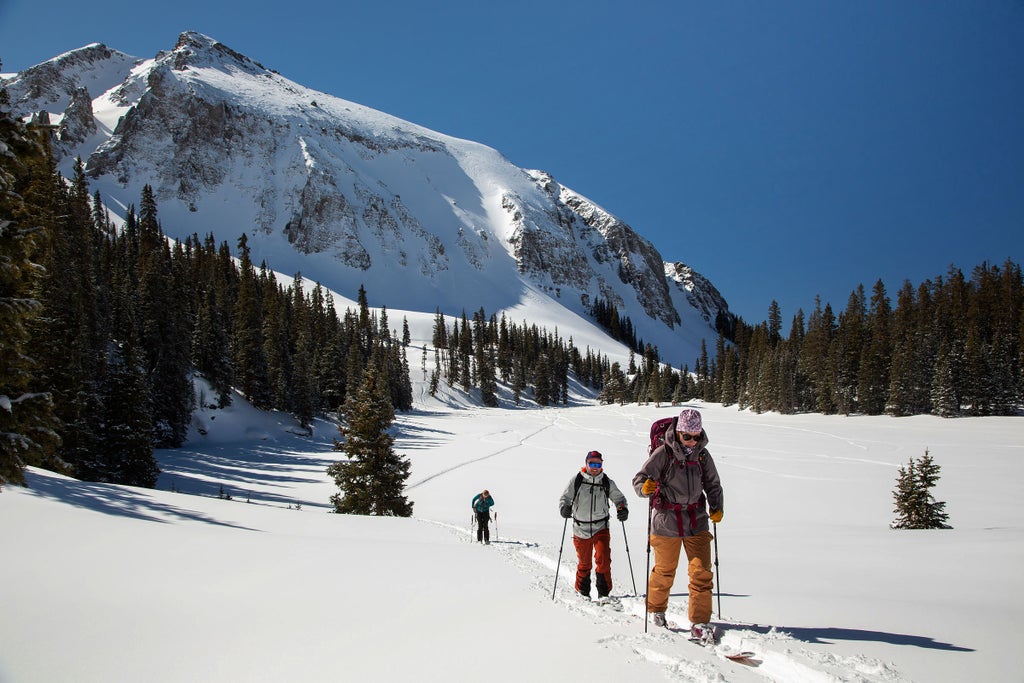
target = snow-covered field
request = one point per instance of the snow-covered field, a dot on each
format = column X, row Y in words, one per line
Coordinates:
column 107, row 583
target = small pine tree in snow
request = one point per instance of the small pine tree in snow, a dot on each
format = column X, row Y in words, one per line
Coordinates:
column 373, row 478
column 916, row 508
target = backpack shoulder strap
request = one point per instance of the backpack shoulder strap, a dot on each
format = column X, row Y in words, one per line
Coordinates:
column 579, row 482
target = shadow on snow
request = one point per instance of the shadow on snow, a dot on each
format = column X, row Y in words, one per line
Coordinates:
column 110, row 499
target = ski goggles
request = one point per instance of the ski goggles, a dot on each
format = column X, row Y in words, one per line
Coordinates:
column 594, row 464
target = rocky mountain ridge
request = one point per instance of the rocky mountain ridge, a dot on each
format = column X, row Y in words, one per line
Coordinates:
column 350, row 196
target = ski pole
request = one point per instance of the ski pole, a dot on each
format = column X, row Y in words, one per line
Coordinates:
column 559, row 565
column 647, row 588
column 496, row 527
column 626, row 540
column 718, row 575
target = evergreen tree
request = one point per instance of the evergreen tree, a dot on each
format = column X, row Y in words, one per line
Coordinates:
column 165, row 331
column 125, row 452
column 542, row 385
column 465, row 352
column 680, row 393
column 330, row 363
column 435, row 374
column 488, row 382
column 814, row 358
column 873, row 368
column 653, row 389
column 950, row 326
column 925, row 348
column 614, row 390
column 944, row 399
column 803, row 397
column 848, row 347
column 774, row 323
column 249, row 356
column 786, row 374
column 28, row 426
column 372, row 480
column 211, row 352
column 916, row 507
column 68, row 330
column 902, row 375
column 518, row 379
column 505, row 351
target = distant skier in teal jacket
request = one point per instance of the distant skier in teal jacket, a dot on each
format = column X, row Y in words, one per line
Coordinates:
column 482, row 503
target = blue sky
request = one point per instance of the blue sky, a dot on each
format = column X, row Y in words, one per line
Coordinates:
column 783, row 149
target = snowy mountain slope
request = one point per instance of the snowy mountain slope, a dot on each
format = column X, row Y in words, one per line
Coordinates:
column 346, row 195
column 267, row 586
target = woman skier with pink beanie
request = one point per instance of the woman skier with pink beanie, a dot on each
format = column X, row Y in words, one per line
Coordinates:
column 681, row 479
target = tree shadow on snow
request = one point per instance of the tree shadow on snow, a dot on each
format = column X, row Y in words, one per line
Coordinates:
column 237, row 472
column 114, row 500
column 415, row 437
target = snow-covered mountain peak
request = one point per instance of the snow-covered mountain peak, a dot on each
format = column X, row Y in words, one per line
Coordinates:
column 351, row 196
column 197, row 50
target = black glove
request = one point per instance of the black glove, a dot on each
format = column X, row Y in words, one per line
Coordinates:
column 623, row 513
column 565, row 511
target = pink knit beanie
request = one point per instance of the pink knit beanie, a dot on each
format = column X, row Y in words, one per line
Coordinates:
column 689, row 422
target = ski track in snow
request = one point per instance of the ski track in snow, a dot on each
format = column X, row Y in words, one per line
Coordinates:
column 779, row 657
column 476, row 460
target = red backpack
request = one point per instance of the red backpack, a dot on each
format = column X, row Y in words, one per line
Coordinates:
column 658, row 429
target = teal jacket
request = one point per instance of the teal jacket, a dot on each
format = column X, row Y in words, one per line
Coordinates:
column 481, row 504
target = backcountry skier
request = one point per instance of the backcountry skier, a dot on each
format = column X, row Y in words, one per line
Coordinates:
column 683, row 482
column 482, row 503
column 586, row 500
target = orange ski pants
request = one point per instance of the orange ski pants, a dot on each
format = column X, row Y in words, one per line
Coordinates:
column 598, row 549
column 702, row 579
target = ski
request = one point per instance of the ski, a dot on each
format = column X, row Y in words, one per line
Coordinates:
column 745, row 657
column 711, row 639
column 734, row 654
column 711, row 642
column 608, row 602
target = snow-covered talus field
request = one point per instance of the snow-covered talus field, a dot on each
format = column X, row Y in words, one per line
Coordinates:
column 104, row 583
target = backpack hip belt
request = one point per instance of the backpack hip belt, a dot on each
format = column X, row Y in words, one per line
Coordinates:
column 677, row 508
column 592, row 521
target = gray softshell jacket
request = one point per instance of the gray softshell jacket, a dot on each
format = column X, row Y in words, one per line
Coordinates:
column 689, row 486
column 590, row 503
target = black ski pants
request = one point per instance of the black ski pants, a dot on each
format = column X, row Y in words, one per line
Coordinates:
column 483, row 530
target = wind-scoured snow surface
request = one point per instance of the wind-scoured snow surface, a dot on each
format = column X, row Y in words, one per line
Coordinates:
column 102, row 583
